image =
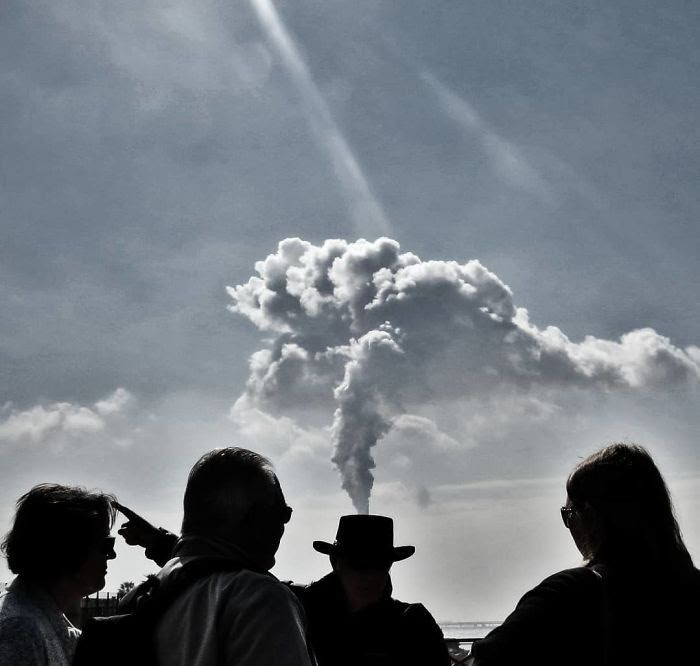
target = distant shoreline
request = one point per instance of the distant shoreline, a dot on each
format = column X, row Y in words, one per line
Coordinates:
column 467, row 630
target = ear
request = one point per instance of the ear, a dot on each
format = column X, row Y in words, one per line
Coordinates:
column 590, row 514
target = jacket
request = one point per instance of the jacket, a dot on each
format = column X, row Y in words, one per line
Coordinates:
column 387, row 633
column 244, row 617
column 33, row 631
column 598, row 616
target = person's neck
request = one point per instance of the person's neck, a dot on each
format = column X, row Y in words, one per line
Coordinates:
column 216, row 545
column 64, row 594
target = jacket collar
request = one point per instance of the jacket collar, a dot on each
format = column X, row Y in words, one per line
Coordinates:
column 37, row 597
column 190, row 547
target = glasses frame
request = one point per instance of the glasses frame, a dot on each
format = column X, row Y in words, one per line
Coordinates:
column 285, row 513
column 106, row 545
column 566, row 514
column 277, row 512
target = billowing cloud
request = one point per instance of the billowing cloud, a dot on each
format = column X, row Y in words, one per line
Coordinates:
column 113, row 403
column 422, row 429
column 374, row 333
column 42, row 422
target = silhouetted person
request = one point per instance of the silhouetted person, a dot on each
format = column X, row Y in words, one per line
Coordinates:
column 234, row 510
column 636, row 600
column 58, row 546
column 353, row 619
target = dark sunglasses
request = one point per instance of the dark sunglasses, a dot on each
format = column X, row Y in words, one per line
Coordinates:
column 285, row 513
column 566, row 513
column 277, row 512
column 107, row 545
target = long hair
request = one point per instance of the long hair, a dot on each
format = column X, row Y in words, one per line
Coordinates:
column 53, row 529
column 635, row 516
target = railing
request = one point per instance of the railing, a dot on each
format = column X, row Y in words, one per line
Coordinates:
column 459, row 649
column 96, row 607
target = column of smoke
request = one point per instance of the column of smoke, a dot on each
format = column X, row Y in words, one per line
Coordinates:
column 358, row 423
column 373, row 331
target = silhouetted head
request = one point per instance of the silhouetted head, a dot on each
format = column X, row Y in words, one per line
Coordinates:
column 619, row 510
column 362, row 555
column 233, row 494
column 62, row 533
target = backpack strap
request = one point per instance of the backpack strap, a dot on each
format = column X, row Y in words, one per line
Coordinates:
column 601, row 573
column 158, row 596
column 128, row 638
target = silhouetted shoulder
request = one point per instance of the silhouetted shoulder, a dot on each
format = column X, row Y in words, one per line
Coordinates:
column 578, row 588
column 248, row 587
column 547, row 622
column 246, row 616
column 20, row 641
column 418, row 615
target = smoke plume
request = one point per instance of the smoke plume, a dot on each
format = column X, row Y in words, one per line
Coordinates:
column 367, row 330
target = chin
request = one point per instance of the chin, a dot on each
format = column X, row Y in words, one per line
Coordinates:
column 98, row 585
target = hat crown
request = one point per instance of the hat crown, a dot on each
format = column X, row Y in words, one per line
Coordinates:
column 365, row 534
column 365, row 538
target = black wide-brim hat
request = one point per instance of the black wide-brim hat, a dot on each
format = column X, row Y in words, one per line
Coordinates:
column 365, row 538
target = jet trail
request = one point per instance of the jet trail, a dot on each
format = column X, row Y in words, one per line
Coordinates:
column 368, row 214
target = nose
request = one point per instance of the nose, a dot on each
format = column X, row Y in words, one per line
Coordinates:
column 111, row 555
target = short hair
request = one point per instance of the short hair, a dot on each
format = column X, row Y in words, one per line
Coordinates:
column 223, row 487
column 53, row 529
column 633, row 506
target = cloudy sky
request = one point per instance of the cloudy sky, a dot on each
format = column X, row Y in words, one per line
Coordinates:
column 184, row 189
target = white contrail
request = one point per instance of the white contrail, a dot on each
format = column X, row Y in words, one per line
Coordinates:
column 369, row 216
column 505, row 158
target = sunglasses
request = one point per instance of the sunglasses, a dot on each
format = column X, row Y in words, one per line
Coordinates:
column 277, row 512
column 106, row 545
column 566, row 513
column 285, row 513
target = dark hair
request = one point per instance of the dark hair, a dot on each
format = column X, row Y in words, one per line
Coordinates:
column 223, row 487
column 633, row 507
column 53, row 529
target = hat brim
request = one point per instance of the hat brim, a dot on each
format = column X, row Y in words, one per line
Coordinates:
column 403, row 552
column 324, row 547
column 397, row 554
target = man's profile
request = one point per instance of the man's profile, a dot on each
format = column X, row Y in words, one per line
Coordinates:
column 234, row 510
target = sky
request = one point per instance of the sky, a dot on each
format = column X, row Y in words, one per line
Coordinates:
column 424, row 256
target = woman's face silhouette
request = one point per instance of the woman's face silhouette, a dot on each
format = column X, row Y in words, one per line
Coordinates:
column 90, row 576
column 583, row 525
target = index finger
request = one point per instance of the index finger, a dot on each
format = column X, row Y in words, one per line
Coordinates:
column 131, row 515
